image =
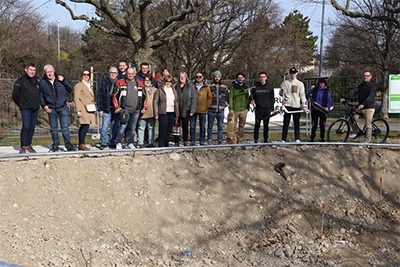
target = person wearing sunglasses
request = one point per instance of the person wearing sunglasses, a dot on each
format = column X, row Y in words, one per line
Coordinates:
column 204, row 101
column 85, row 108
column 166, row 111
column 53, row 90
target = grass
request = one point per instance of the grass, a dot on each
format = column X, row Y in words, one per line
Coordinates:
column 273, row 136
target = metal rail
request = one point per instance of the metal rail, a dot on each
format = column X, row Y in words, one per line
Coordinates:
column 180, row 148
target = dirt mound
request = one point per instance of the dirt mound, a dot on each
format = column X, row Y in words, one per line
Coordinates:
column 204, row 207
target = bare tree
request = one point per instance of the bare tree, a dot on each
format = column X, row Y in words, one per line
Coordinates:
column 132, row 20
column 379, row 11
column 19, row 38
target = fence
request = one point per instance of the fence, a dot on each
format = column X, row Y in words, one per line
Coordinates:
column 10, row 116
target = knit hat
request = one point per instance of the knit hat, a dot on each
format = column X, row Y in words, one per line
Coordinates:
column 217, row 73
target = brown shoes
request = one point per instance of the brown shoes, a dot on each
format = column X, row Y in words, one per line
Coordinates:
column 209, row 143
column 25, row 149
column 30, row 149
column 240, row 142
column 219, row 142
column 185, row 143
column 141, row 146
column 83, row 147
column 176, row 144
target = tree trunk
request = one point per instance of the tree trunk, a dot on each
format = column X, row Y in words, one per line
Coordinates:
column 143, row 55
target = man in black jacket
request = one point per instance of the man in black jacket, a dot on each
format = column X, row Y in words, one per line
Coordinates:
column 53, row 99
column 262, row 96
column 106, row 108
column 26, row 96
column 366, row 102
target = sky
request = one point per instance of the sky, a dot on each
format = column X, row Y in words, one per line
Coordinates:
column 53, row 12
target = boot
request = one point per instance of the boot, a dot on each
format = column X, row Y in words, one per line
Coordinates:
column 185, row 143
column 176, row 144
column 83, row 147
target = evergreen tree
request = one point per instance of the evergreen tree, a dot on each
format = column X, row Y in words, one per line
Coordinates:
column 299, row 40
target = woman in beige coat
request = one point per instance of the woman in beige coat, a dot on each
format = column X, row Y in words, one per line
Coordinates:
column 84, row 101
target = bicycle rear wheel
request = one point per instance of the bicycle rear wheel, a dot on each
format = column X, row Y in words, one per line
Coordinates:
column 338, row 131
column 380, row 130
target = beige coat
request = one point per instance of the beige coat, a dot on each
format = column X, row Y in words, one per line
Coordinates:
column 82, row 97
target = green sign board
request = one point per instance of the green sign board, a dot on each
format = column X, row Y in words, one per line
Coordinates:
column 394, row 93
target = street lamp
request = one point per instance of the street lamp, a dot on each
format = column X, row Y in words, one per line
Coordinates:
column 58, row 40
column 321, row 45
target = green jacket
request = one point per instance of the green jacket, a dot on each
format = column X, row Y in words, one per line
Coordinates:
column 238, row 97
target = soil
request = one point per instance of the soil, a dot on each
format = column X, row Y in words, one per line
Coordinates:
column 242, row 206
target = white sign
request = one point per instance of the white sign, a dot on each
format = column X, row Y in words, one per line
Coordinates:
column 394, row 93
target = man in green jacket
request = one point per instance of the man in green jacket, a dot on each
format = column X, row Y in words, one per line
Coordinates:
column 239, row 104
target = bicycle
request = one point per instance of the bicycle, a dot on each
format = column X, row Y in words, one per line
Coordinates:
column 339, row 130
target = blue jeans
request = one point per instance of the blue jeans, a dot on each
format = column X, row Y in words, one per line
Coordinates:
column 131, row 124
column 62, row 115
column 150, row 122
column 108, row 118
column 193, row 120
column 29, row 121
column 220, row 121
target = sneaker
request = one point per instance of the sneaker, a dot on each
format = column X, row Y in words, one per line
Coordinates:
column 30, row 149
column 283, row 141
column 298, row 141
column 22, row 150
column 255, row 141
column 119, row 146
column 73, row 148
column 209, row 143
column 192, row 143
column 131, row 146
column 353, row 136
column 202, row 143
column 102, row 147
column 54, row 149
column 112, row 146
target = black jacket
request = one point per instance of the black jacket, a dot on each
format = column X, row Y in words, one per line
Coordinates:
column 106, row 89
column 54, row 96
column 263, row 95
column 366, row 94
column 26, row 93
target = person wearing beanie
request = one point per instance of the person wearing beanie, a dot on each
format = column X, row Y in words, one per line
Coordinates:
column 321, row 102
column 294, row 97
column 238, row 106
column 220, row 98
column 26, row 96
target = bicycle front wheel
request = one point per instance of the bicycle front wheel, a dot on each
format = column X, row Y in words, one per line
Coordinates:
column 338, row 131
column 380, row 130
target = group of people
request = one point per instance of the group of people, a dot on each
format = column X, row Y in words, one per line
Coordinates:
column 50, row 93
column 130, row 101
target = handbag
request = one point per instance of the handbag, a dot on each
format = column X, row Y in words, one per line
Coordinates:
column 90, row 107
column 176, row 130
column 123, row 117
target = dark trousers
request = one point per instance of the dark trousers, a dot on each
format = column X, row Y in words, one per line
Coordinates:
column 83, row 130
column 165, row 124
column 262, row 115
column 29, row 121
column 315, row 115
column 296, row 122
column 184, row 123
